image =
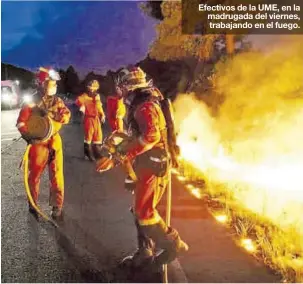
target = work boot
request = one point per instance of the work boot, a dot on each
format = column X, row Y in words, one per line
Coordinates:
column 167, row 239
column 88, row 152
column 56, row 212
column 141, row 257
column 145, row 251
column 97, row 151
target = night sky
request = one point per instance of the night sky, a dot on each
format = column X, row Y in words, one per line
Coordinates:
column 91, row 36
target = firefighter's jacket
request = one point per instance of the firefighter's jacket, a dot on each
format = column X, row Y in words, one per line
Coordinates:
column 146, row 123
column 115, row 112
column 91, row 106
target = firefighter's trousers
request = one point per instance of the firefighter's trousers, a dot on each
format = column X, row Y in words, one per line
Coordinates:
column 151, row 227
column 92, row 130
column 116, row 124
column 148, row 193
column 47, row 153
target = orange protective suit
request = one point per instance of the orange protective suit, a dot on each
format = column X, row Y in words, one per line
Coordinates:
column 147, row 125
column 149, row 150
column 49, row 152
column 91, row 106
column 115, row 113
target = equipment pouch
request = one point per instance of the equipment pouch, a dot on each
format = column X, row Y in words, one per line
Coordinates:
column 157, row 160
column 129, row 184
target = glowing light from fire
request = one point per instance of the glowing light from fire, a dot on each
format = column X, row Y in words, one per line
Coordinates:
column 221, row 218
column 181, row 178
column 196, row 192
column 248, row 245
column 254, row 140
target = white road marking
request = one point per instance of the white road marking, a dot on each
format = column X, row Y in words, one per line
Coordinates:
column 7, row 139
column 9, row 133
column 9, row 128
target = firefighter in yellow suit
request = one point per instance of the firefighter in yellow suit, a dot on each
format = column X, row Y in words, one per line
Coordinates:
column 91, row 106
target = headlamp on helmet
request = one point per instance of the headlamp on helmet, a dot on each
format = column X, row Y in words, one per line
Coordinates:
column 47, row 74
column 53, row 75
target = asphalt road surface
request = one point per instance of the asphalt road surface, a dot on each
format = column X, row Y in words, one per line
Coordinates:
column 9, row 132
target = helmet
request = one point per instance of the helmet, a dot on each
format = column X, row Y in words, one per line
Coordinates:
column 93, row 85
column 132, row 78
column 46, row 74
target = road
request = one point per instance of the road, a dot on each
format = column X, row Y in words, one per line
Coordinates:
column 9, row 131
column 98, row 230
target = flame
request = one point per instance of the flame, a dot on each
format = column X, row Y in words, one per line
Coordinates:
column 181, row 178
column 248, row 245
column 196, row 192
column 221, row 218
column 256, row 138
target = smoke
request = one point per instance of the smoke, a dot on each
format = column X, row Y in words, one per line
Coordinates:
column 263, row 106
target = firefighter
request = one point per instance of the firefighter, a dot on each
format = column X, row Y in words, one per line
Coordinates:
column 147, row 128
column 91, row 107
column 116, row 111
column 49, row 152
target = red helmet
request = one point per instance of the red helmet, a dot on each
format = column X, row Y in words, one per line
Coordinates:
column 45, row 74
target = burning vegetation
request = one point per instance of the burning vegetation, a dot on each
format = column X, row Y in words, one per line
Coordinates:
column 250, row 153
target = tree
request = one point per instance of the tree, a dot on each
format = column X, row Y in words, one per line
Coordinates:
column 169, row 76
column 152, row 9
column 172, row 44
column 72, row 82
column 175, row 41
column 25, row 77
column 61, row 83
column 199, row 52
column 89, row 77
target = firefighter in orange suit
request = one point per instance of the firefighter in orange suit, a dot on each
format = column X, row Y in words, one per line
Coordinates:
column 116, row 111
column 91, row 106
column 147, row 127
column 49, row 152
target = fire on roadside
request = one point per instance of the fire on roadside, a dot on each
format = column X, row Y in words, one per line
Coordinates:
column 256, row 137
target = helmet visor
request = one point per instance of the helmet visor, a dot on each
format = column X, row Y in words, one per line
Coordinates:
column 53, row 75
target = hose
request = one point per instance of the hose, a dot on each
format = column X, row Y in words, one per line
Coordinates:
column 24, row 163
